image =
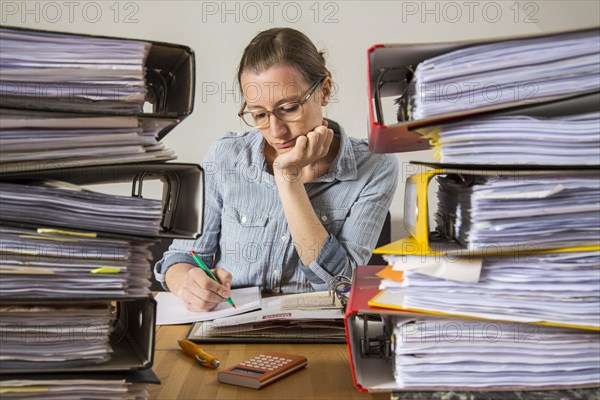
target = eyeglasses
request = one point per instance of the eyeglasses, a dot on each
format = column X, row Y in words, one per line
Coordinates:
column 288, row 112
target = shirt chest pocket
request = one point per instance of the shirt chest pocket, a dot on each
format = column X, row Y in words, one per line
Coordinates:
column 243, row 218
column 333, row 219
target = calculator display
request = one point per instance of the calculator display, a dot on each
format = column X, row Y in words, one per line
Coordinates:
column 246, row 371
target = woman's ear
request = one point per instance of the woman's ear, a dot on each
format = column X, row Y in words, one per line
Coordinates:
column 326, row 91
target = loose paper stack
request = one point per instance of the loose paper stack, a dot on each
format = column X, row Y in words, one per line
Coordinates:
column 522, row 140
column 30, row 140
column 62, row 204
column 556, row 288
column 50, row 263
column 515, row 71
column 545, row 211
column 442, row 352
column 54, row 336
column 65, row 72
column 72, row 389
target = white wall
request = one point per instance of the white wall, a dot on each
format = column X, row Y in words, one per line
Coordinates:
column 218, row 32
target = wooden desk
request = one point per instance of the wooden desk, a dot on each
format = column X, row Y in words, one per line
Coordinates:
column 327, row 375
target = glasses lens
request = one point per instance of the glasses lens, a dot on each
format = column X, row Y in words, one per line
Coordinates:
column 255, row 119
column 285, row 112
column 289, row 111
column 260, row 118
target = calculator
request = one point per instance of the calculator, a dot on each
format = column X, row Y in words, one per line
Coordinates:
column 263, row 369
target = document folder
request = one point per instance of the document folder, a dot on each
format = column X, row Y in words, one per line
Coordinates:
column 132, row 384
column 132, row 338
column 169, row 81
column 370, row 338
column 425, row 241
column 390, row 69
column 182, row 199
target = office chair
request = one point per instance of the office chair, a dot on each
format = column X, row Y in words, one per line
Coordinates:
column 385, row 237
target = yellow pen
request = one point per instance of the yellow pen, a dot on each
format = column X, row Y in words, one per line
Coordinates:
column 192, row 349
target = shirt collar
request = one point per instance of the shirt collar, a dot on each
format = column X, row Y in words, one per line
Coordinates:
column 343, row 167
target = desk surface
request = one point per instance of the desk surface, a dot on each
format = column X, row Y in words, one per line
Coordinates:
column 327, row 375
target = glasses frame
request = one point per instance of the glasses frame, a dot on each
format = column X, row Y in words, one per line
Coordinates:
column 301, row 102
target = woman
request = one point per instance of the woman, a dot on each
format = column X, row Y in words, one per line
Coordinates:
column 290, row 203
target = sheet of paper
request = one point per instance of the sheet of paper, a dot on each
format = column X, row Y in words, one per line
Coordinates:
column 171, row 310
column 460, row 269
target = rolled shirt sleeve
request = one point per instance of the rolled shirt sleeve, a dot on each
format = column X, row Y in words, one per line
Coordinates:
column 354, row 244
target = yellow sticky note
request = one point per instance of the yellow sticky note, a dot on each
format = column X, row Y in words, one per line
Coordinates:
column 106, row 270
column 67, row 233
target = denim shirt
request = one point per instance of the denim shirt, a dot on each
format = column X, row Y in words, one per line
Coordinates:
column 245, row 230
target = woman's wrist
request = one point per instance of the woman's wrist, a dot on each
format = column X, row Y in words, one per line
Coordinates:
column 176, row 275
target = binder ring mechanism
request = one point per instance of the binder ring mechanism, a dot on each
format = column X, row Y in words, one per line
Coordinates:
column 340, row 286
column 170, row 196
column 370, row 347
column 378, row 346
column 400, row 78
column 158, row 89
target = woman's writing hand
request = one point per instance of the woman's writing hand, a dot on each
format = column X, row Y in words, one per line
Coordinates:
column 197, row 290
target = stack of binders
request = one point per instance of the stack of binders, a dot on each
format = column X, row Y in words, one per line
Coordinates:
column 76, row 314
column 498, row 286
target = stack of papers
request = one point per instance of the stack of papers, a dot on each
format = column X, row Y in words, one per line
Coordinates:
column 66, row 72
column 30, row 140
column 556, row 288
column 53, row 203
column 440, row 352
column 54, row 336
column 514, row 71
column 72, row 389
column 524, row 140
column 51, row 263
column 532, row 211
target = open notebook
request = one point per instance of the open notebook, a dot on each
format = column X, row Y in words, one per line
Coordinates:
column 292, row 318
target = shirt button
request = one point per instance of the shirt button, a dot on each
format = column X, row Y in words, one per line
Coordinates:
column 283, row 238
column 324, row 218
column 244, row 219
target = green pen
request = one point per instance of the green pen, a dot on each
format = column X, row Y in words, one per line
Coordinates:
column 209, row 273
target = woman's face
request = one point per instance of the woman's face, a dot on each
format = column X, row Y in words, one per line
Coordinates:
column 274, row 87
